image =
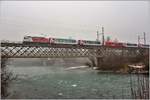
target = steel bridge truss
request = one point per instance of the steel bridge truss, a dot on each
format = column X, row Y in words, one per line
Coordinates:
column 20, row 50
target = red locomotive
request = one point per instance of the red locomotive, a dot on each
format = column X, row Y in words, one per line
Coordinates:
column 36, row 39
column 114, row 44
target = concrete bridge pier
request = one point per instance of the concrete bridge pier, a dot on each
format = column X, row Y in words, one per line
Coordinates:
column 100, row 57
column 99, row 61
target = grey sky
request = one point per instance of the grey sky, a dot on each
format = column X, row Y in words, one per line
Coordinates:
column 78, row 19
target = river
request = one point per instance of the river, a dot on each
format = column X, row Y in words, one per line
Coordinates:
column 45, row 82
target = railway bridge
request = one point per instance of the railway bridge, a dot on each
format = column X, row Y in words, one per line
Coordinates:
column 43, row 50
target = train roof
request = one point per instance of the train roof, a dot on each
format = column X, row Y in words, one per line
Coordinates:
column 36, row 36
column 91, row 40
column 62, row 38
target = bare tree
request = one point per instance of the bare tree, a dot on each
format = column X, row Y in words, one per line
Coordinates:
column 6, row 77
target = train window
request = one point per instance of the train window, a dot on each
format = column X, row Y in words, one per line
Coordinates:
column 26, row 37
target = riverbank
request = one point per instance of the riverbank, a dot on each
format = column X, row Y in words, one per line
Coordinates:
column 119, row 64
column 120, row 72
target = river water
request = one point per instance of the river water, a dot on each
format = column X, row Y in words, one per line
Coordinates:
column 42, row 82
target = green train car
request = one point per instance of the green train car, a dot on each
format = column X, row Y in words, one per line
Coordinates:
column 64, row 41
column 87, row 42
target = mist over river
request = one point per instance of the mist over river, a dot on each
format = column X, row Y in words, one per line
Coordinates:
column 54, row 81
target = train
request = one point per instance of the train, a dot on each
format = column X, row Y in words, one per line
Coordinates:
column 120, row 44
column 50, row 40
column 29, row 39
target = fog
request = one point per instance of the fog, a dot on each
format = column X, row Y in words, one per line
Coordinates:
column 124, row 20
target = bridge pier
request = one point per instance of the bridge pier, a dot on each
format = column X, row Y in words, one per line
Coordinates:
column 99, row 61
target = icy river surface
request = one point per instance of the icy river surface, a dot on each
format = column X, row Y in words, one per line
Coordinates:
column 44, row 82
